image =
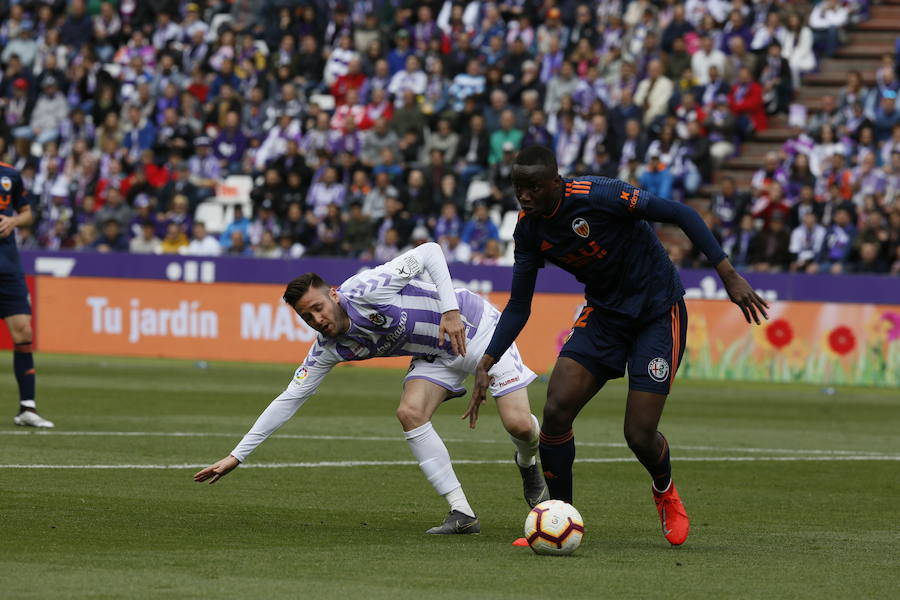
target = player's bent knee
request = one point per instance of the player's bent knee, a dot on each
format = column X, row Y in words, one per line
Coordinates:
column 639, row 438
column 520, row 427
column 21, row 333
column 558, row 417
column 411, row 416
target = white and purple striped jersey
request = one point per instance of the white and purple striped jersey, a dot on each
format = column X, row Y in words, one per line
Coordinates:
column 393, row 312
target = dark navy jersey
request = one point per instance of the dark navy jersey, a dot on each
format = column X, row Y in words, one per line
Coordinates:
column 597, row 233
column 12, row 200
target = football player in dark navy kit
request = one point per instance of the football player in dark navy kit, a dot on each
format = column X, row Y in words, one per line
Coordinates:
column 14, row 306
column 596, row 228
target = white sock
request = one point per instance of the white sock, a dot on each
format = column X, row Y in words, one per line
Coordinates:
column 527, row 449
column 457, row 500
column 434, row 460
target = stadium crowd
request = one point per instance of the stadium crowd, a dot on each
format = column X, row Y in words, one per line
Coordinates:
column 371, row 125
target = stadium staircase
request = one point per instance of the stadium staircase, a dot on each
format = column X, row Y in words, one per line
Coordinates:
column 866, row 43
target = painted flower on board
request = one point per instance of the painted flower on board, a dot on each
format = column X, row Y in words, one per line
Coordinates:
column 779, row 333
column 894, row 320
column 841, row 340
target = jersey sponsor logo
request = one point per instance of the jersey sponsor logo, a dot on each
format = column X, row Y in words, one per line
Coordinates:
column 630, row 198
column 391, row 340
column 581, row 227
column 6, row 182
column 509, row 381
column 378, row 319
column 584, row 255
column 301, row 374
column 658, row 369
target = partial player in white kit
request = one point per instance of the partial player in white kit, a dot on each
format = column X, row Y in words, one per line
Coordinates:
column 390, row 311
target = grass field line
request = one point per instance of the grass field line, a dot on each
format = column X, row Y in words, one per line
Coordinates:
column 400, row 463
column 288, row 436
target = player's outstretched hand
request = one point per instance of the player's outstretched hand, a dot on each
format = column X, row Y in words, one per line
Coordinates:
column 215, row 472
column 7, row 225
column 479, row 392
column 452, row 325
column 742, row 294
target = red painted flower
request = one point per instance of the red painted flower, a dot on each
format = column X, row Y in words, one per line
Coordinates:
column 779, row 333
column 842, row 340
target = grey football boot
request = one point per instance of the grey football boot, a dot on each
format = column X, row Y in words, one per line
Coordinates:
column 533, row 483
column 457, row 523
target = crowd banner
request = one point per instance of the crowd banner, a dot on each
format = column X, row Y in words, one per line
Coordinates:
column 822, row 329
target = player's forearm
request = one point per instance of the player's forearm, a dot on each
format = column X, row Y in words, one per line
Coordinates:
column 435, row 264
column 511, row 323
column 666, row 211
column 276, row 414
column 23, row 218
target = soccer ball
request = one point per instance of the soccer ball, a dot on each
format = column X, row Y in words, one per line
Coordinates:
column 554, row 527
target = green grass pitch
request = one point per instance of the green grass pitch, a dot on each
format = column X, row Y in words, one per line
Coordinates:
column 792, row 493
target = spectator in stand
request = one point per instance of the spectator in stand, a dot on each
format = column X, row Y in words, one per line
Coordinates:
column 174, row 240
column 870, row 261
column 705, row 57
column 797, row 48
column 827, row 21
column 201, row 244
column 146, row 242
column 771, row 203
column 807, row 241
column 237, row 244
column 739, row 243
column 771, row 253
column 656, row 177
column 267, row 247
column 774, row 74
column 112, row 239
column 326, row 192
column 840, row 238
column 771, row 171
column 653, row 94
column 729, row 206
column 746, row 102
column 479, row 229
column 886, row 115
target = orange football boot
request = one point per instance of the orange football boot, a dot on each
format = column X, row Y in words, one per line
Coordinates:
column 672, row 516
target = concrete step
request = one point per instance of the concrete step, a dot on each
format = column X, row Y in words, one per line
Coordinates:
column 836, row 79
column 776, row 134
column 743, row 163
column 890, row 24
column 758, row 149
column 871, row 37
column 843, row 65
column 805, row 95
column 884, row 11
column 870, row 51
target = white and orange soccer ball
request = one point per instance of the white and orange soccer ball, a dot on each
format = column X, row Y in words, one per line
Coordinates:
column 554, row 527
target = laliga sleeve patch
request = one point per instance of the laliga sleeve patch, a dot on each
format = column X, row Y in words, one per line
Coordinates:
column 301, row 374
column 658, row 369
column 410, row 266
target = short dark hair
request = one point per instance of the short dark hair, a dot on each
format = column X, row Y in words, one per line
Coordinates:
column 298, row 287
column 537, row 156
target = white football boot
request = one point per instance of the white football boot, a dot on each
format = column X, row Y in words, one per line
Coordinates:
column 29, row 418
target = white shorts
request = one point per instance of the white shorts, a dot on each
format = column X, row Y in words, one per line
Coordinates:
column 507, row 375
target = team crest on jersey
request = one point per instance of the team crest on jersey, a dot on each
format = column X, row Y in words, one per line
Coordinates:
column 378, row 319
column 6, row 182
column 581, row 227
column 658, row 369
column 301, row 374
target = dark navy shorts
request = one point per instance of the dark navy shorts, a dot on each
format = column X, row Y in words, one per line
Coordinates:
column 650, row 350
column 13, row 295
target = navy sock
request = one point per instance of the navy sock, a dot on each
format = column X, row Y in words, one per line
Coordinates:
column 23, row 365
column 661, row 469
column 557, row 456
